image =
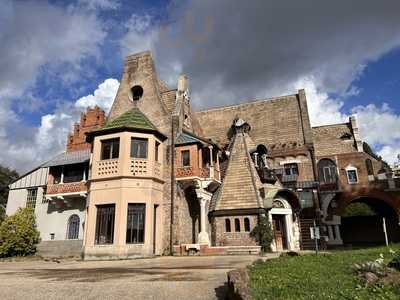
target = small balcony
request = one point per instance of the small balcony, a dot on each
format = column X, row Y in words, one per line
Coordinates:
column 65, row 191
column 189, row 172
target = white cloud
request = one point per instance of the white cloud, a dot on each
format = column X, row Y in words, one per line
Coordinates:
column 24, row 148
column 100, row 4
column 103, row 96
column 141, row 34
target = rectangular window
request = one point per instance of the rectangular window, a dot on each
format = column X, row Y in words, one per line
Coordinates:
column 110, row 149
column 31, row 198
column 185, row 158
column 352, row 176
column 157, row 150
column 291, row 169
column 105, row 224
column 139, row 148
column 135, row 223
column 329, row 173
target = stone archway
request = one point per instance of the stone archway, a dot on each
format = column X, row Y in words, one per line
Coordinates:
column 360, row 228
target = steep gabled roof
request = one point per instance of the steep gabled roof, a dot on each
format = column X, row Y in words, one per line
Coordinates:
column 132, row 120
column 185, row 139
column 239, row 189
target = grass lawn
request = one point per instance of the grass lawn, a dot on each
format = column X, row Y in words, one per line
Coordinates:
column 323, row 276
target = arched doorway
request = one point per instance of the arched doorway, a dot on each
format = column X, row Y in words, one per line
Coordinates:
column 285, row 225
column 73, row 227
column 362, row 222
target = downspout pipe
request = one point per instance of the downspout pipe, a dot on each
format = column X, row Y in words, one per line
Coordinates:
column 172, row 153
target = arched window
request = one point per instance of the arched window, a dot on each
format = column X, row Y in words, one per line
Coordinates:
column 73, row 227
column 227, row 225
column 246, row 224
column 237, row 225
column 370, row 167
column 327, row 171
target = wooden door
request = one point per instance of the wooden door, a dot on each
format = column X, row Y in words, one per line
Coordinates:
column 279, row 231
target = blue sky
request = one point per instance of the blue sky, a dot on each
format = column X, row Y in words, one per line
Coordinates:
column 57, row 57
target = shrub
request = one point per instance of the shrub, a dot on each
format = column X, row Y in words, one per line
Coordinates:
column 18, row 234
column 262, row 233
column 2, row 214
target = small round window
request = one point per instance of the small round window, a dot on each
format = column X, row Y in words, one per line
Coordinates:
column 136, row 92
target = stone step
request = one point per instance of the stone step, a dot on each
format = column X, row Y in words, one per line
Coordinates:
column 65, row 248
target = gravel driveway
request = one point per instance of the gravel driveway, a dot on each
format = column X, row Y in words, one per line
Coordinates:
column 199, row 277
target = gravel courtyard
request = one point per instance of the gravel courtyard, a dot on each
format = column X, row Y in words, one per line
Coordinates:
column 157, row 278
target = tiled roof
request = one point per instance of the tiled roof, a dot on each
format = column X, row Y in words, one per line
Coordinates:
column 239, row 189
column 69, row 158
column 133, row 118
column 184, row 138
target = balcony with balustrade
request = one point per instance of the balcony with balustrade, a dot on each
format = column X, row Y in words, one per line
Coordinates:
column 196, row 159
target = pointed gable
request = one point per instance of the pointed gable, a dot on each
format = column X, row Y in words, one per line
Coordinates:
column 132, row 120
column 239, row 189
column 140, row 75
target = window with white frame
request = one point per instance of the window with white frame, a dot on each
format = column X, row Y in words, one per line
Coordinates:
column 352, row 175
column 31, row 198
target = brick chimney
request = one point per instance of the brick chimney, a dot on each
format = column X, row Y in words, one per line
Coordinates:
column 92, row 119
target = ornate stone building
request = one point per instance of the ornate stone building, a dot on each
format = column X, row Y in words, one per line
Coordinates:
column 155, row 177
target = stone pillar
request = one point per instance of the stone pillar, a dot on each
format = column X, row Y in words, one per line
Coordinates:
column 337, row 234
column 330, row 233
column 219, row 169
column 204, row 198
column 255, row 159
column 211, row 162
column 62, row 175
column 211, row 156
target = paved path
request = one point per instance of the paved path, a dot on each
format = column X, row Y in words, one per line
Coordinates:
column 157, row 278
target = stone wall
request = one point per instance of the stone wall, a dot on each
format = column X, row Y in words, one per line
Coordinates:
column 333, row 139
column 242, row 238
column 275, row 120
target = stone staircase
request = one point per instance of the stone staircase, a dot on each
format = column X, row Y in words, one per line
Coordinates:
column 243, row 250
column 67, row 248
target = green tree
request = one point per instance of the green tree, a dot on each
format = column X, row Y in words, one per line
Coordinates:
column 2, row 213
column 262, row 233
column 18, row 234
column 358, row 209
column 7, row 176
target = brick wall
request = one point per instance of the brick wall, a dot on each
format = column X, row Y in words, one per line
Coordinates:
column 333, row 139
column 92, row 119
column 276, row 120
column 242, row 238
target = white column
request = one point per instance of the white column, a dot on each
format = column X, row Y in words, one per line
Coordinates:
column 211, row 156
column 203, row 235
column 211, row 162
column 219, row 169
column 337, row 233
column 330, row 233
column 255, row 159
column 62, row 175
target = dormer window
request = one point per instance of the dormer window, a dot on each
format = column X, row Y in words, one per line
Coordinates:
column 139, row 148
